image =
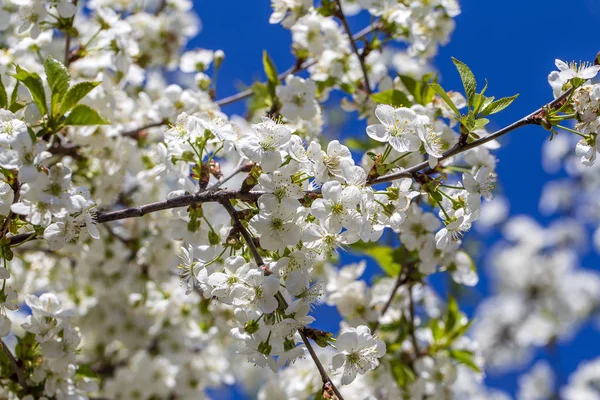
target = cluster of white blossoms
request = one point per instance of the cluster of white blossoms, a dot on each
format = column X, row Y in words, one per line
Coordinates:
column 152, row 243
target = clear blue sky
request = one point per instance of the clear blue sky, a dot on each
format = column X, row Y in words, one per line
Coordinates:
column 512, row 43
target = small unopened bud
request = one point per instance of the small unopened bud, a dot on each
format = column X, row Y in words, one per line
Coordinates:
column 215, row 169
column 597, row 59
column 202, row 81
column 219, row 56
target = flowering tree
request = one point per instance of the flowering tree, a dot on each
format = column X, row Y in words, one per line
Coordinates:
column 109, row 173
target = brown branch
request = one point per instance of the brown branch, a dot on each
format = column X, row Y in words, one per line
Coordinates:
column 400, row 280
column 411, row 329
column 299, row 66
column 176, row 202
column 359, row 55
column 532, row 119
column 535, row 117
column 68, row 39
column 135, row 133
column 248, row 238
column 324, row 376
column 13, row 362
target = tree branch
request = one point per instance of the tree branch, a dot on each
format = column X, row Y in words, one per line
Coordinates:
column 248, row 238
column 13, row 362
column 324, row 376
column 533, row 118
column 176, row 202
column 400, row 280
column 359, row 55
column 259, row 261
column 135, row 133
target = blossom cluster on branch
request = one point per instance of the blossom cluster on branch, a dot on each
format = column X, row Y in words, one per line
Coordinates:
column 151, row 242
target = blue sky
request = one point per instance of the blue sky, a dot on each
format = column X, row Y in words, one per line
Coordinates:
column 511, row 43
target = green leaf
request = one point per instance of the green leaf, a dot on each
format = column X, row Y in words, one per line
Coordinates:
column 83, row 115
column 480, row 99
column 33, row 82
column 75, row 94
column 480, row 123
column 362, row 144
column 442, row 93
column 58, row 80
column 453, row 314
column 498, row 105
column 468, row 79
column 413, row 86
column 464, row 357
column 3, row 96
column 392, row 97
column 15, row 92
column 270, row 69
column 386, row 259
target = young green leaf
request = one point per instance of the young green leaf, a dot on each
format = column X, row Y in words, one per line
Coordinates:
column 392, row 97
column 33, row 82
column 270, row 69
column 75, row 94
column 468, row 80
column 3, row 96
column 82, row 115
column 385, row 258
column 498, row 105
column 442, row 93
column 464, row 357
column 58, row 80
column 480, row 123
column 412, row 85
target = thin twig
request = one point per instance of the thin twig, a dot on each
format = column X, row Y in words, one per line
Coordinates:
column 248, row 238
column 68, row 39
column 13, row 362
column 400, row 280
column 359, row 55
column 324, row 376
column 530, row 119
column 176, row 202
column 295, row 68
column 411, row 328
column 134, row 133
column 217, row 196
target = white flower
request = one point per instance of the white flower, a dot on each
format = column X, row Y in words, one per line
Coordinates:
column 11, row 127
column 280, row 191
column 338, row 206
column 189, row 269
column 566, row 72
column 399, row 127
column 298, row 98
column 587, row 150
column 5, row 325
column 464, row 272
column 325, row 238
column 358, row 352
column 229, row 285
column 330, row 164
column 265, row 288
column 264, row 143
column 479, row 185
column 196, row 60
column 277, row 230
column 450, row 236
